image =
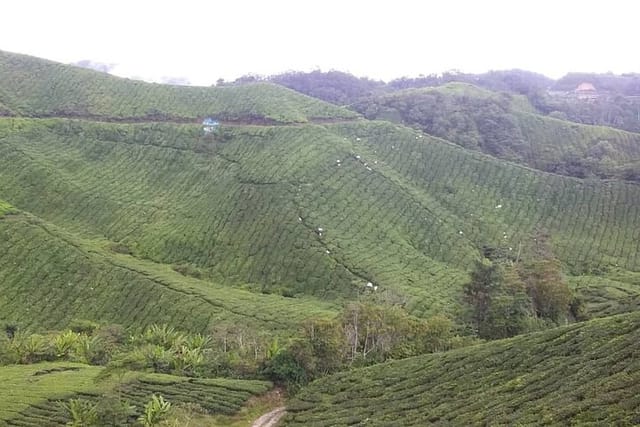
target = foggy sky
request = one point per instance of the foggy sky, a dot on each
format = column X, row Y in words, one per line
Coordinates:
column 202, row 41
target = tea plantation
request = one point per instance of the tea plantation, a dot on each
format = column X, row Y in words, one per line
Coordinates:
column 308, row 210
column 583, row 374
column 507, row 126
column 32, row 394
column 117, row 207
column 50, row 277
column 35, row 87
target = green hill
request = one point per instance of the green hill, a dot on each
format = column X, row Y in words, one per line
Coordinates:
column 507, row 126
column 308, row 210
column 32, row 394
column 116, row 206
column 34, row 87
column 407, row 212
column 583, row 374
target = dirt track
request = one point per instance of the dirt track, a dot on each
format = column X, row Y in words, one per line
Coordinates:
column 270, row 419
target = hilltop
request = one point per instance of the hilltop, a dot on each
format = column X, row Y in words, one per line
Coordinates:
column 513, row 115
column 34, row 87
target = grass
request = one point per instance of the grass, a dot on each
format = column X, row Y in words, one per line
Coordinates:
column 35, row 87
column 31, row 393
column 583, row 374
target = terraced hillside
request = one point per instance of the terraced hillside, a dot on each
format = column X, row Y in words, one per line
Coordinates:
column 310, row 208
column 32, row 394
column 584, row 374
column 307, row 209
column 34, row 87
column 507, row 126
column 50, row 277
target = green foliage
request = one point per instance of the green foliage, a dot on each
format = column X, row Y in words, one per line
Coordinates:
column 362, row 334
column 412, row 237
column 401, row 210
column 5, row 208
column 83, row 326
column 500, row 306
column 163, row 349
column 511, row 296
column 83, row 413
column 292, row 366
column 65, row 344
column 32, row 348
column 541, row 272
column 550, row 293
column 114, row 411
column 154, row 411
column 582, row 374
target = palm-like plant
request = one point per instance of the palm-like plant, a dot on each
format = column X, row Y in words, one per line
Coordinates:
column 65, row 344
column 154, row 411
column 161, row 335
column 83, row 413
column 30, row 349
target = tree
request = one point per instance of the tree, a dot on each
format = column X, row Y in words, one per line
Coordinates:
column 498, row 301
column 328, row 344
column 542, row 275
column 290, row 366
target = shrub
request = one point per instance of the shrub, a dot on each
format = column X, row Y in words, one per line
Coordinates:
column 83, row 413
column 154, row 411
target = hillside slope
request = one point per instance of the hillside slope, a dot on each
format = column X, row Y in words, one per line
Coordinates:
column 301, row 203
column 309, row 209
column 49, row 277
column 507, row 126
column 583, row 374
column 35, row 87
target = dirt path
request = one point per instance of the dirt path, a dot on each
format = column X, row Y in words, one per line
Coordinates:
column 258, row 121
column 270, row 419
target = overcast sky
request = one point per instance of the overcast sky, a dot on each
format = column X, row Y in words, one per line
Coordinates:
column 206, row 40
